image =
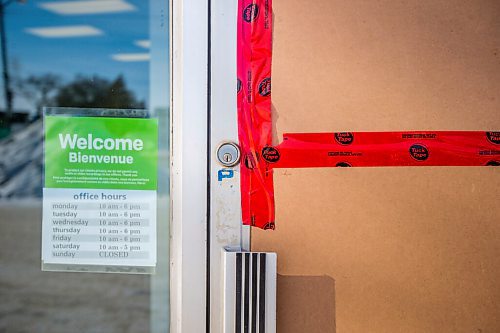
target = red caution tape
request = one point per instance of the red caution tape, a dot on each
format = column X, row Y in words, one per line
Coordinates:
column 305, row 150
column 254, row 110
column 372, row 149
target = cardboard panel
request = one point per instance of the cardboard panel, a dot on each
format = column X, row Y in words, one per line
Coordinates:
column 306, row 303
column 409, row 249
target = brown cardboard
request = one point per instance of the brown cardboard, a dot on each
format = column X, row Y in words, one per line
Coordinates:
column 409, row 249
column 309, row 300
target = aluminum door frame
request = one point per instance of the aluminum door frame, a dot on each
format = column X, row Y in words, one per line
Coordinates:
column 205, row 208
column 188, row 190
column 226, row 230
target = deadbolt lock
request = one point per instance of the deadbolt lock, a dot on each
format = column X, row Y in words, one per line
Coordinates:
column 228, row 154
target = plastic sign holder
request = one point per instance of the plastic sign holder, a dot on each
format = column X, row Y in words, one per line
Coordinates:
column 100, row 191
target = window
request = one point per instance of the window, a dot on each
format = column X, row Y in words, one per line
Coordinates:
column 82, row 54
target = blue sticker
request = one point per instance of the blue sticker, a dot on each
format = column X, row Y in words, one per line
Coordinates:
column 225, row 173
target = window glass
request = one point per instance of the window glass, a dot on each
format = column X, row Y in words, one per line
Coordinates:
column 82, row 54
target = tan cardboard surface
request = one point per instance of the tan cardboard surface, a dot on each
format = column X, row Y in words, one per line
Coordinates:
column 406, row 249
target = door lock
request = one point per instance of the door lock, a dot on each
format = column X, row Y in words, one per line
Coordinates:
column 228, row 154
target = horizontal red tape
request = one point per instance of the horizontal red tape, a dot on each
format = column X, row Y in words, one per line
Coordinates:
column 372, row 149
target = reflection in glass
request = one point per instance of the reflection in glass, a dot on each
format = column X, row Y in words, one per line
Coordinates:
column 89, row 54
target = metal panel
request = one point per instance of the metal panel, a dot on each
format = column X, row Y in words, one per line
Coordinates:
column 249, row 292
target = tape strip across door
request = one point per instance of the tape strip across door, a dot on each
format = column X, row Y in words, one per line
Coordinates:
column 306, row 150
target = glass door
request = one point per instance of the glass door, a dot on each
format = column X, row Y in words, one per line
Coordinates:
column 109, row 54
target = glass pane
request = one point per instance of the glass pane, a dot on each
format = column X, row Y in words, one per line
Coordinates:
column 82, row 54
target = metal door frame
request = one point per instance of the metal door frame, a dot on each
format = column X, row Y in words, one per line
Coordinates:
column 205, row 209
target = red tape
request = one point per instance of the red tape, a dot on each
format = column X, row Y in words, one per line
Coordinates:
column 306, row 150
column 372, row 149
column 254, row 110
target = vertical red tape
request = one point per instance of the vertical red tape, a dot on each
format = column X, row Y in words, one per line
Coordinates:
column 254, row 110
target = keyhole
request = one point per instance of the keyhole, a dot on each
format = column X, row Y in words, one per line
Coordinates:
column 227, row 157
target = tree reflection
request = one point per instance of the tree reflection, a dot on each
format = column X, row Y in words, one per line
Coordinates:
column 40, row 90
column 83, row 92
column 97, row 92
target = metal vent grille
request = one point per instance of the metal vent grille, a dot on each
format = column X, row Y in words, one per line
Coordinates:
column 249, row 292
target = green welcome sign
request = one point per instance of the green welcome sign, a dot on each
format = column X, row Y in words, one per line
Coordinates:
column 101, row 153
